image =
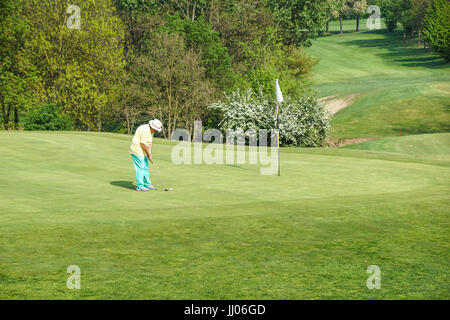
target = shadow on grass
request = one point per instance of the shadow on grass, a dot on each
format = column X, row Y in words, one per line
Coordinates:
column 124, row 184
column 422, row 62
column 406, row 54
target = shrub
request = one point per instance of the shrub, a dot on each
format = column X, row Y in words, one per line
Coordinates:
column 303, row 121
column 391, row 24
column 48, row 117
column 390, row 12
column 437, row 27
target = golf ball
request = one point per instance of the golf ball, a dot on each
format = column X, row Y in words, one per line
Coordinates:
column 170, row 189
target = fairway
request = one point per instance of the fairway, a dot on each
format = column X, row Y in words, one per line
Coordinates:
column 395, row 87
column 225, row 232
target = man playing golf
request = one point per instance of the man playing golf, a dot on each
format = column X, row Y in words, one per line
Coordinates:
column 141, row 153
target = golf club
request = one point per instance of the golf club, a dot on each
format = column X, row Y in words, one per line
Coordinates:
column 157, row 173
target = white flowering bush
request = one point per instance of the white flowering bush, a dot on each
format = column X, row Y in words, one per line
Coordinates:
column 303, row 122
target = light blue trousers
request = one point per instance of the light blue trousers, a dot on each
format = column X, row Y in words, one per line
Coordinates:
column 142, row 171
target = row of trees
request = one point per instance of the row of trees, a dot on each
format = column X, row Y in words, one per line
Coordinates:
column 338, row 9
column 428, row 20
column 43, row 60
column 128, row 60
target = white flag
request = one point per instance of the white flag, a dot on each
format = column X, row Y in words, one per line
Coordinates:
column 279, row 94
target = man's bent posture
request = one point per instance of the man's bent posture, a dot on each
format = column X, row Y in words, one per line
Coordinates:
column 141, row 153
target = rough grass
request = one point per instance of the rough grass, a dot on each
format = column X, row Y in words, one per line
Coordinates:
column 225, row 232
column 400, row 87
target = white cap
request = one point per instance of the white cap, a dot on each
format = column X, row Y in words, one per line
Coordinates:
column 155, row 124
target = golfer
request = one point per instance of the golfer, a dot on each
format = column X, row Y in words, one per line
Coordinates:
column 141, row 153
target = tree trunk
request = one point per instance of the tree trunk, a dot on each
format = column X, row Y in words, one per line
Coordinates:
column 99, row 124
column 127, row 117
column 328, row 28
column 340, row 22
column 412, row 33
column 357, row 22
column 133, row 121
column 418, row 37
column 5, row 114
column 16, row 119
column 193, row 11
column 404, row 35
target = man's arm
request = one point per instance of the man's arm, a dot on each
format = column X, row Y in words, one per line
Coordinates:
column 148, row 150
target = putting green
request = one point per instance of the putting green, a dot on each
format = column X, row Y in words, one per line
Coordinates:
column 225, row 231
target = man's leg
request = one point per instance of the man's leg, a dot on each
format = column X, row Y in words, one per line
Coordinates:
column 139, row 165
column 147, row 182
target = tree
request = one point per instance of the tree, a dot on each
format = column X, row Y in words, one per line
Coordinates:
column 244, row 24
column 437, row 27
column 342, row 6
column 199, row 37
column 391, row 11
column 332, row 7
column 411, row 16
column 80, row 68
column 336, row 9
column 130, row 104
column 418, row 10
column 174, row 81
column 358, row 7
column 405, row 18
column 300, row 20
column 17, row 74
column 140, row 18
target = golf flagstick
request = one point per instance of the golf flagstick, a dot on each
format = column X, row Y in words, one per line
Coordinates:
column 278, row 140
column 279, row 101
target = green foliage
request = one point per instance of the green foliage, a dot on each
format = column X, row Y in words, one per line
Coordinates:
column 138, row 6
column 17, row 74
column 48, row 117
column 80, row 68
column 391, row 12
column 303, row 122
column 291, row 65
column 169, row 81
column 437, row 27
column 391, row 22
column 93, row 73
column 140, row 18
column 199, row 36
column 300, row 20
column 266, row 59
